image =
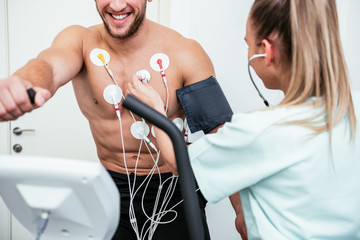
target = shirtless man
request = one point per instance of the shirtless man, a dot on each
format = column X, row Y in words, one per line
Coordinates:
column 131, row 40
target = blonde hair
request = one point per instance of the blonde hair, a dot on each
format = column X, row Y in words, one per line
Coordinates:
column 309, row 32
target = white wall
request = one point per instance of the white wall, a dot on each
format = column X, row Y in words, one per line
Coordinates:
column 349, row 19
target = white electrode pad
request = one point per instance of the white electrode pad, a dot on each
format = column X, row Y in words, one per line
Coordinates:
column 164, row 60
column 153, row 131
column 186, row 126
column 113, row 94
column 94, row 56
column 139, row 130
column 144, row 74
column 179, row 123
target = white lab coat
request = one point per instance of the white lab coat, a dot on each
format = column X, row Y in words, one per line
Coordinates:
column 290, row 186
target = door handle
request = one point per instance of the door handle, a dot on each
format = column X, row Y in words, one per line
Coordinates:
column 17, row 148
column 18, row 131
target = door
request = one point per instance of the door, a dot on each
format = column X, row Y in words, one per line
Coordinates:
column 58, row 129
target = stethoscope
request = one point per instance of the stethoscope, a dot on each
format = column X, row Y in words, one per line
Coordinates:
column 252, row 80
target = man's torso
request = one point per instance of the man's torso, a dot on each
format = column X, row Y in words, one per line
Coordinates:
column 105, row 126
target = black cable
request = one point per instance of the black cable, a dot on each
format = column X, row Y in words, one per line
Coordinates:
column 253, row 82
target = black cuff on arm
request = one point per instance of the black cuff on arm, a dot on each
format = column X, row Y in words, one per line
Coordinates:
column 205, row 105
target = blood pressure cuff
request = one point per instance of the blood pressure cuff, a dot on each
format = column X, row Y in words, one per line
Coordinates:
column 205, row 105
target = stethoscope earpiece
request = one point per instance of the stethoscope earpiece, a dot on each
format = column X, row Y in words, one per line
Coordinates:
column 257, row 56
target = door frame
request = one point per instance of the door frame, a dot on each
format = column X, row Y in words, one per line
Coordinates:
column 4, row 70
column 5, row 216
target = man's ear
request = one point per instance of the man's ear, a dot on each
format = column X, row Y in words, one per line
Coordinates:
column 269, row 50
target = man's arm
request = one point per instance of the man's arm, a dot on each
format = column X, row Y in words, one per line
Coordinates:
column 196, row 64
column 51, row 69
column 239, row 219
column 236, row 204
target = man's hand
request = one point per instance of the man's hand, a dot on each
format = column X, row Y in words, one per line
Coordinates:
column 14, row 99
column 240, row 225
column 239, row 220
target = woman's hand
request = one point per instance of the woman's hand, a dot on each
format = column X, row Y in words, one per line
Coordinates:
column 145, row 93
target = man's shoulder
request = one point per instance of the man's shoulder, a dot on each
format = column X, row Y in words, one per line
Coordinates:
column 187, row 52
column 174, row 39
column 78, row 37
column 77, row 31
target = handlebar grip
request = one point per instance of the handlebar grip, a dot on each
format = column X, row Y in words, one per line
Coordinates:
column 31, row 93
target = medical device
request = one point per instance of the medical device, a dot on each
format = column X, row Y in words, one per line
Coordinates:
column 154, row 64
column 160, row 62
column 144, row 74
column 139, row 129
column 113, row 95
column 163, row 76
column 188, row 186
column 252, row 80
column 205, row 105
column 179, row 122
column 101, row 57
column 60, row 198
column 94, row 57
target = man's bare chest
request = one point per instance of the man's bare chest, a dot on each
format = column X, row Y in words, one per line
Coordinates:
column 102, row 69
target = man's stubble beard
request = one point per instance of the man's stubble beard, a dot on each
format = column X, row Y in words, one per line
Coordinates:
column 133, row 29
